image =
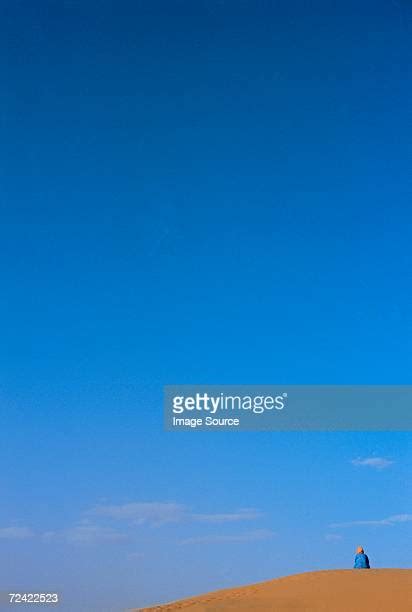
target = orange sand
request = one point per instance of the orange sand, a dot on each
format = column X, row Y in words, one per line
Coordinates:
column 381, row 590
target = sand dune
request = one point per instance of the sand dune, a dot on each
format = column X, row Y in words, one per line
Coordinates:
column 382, row 590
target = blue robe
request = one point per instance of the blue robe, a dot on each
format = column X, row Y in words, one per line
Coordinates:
column 361, row 561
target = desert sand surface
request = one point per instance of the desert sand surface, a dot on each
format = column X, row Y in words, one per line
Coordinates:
column 380, row 590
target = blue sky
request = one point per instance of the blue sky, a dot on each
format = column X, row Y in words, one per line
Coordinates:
column 209, row 192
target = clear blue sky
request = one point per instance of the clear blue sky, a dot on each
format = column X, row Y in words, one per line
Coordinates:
column 198, row 192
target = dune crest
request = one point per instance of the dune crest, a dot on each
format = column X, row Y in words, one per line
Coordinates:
column 375, row 590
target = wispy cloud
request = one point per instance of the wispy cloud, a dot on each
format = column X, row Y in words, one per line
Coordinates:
column 244, row 514
column 333, row 537
column 161, row 513
column 85, row 533
column 155, row 513
column 16, row 533
column 248, row 536
column 135, row 555
column 391, row 520
column 103, row 523
column 91, row 534
column 377, row 463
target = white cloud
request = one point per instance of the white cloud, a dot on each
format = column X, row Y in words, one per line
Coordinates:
column 333, row 537
column 161, row 513
column 136, row 555
column 400, row 518
column 91, row 534
column 136, row 513
column 391, row 520
column 155, row 513
column 377, row 463
column 49, row 535
column 16, row 533
column 245, row 514
column 248, row 536
column 84, row 532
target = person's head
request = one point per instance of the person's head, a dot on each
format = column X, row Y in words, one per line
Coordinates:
column 359, row 550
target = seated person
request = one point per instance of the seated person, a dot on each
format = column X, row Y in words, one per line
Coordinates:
column 361, row 560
